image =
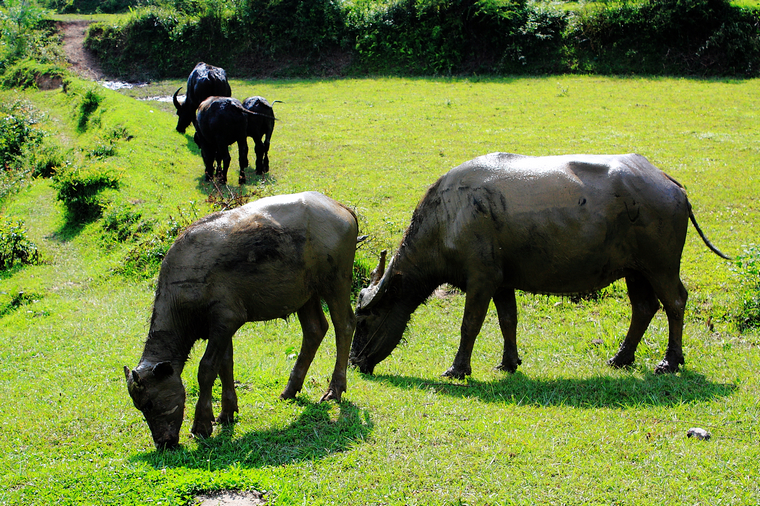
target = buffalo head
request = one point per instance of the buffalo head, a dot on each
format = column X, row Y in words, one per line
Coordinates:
column 157, row 391
column 185, row 112
column 380, row 318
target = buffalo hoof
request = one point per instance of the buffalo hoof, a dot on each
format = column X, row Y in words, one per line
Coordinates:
column 209, row 177
column 225, row 418
column 202, row 429
column 241, row 180
column 668, row 367
column 259, row 172
column 619, row 363
column 288, row 394
column 509, row 367
column 331, row 395
column 455, row 373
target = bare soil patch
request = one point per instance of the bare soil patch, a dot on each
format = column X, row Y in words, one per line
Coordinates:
column 81, row 60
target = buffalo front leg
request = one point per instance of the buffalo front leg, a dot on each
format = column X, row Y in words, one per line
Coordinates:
column 344, row 323
column 475, row 309
column 208, row 369
column 644, row 305
column 674, row 299
column 229, row 396
column 506, row 307
column 314, row 328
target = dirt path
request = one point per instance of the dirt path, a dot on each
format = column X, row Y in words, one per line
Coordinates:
column 82, row 62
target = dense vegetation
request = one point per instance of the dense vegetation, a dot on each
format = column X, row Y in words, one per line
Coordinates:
column 432, row 37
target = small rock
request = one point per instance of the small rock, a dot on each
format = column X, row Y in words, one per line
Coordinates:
column 698, row 433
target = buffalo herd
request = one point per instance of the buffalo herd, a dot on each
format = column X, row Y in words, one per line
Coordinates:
column 495, row 224
column 220, row 120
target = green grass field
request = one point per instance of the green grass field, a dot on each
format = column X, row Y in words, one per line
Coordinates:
column 565, row 429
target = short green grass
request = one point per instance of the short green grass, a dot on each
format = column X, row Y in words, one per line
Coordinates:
column 565, row 429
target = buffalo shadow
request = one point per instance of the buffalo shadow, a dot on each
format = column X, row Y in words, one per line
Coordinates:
column 313, row 436
column 594, row 392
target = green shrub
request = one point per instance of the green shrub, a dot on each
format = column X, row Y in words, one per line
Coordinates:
column 15, row 248
column 748, row 268
column 17, row 132
column 144, row 260
column 80, row 190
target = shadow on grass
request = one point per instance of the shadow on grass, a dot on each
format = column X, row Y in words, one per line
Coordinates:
column 313, row 436
column 597, row 392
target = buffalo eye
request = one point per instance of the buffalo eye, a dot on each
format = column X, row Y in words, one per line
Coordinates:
column 147, row 406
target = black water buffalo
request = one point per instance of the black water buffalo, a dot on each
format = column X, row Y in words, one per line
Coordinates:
column 203, row 82
column 222, row 121
column 555, row 224
column 265, row 260
column 260, row 128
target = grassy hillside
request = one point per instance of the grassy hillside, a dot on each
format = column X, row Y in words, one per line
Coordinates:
column 565, row 429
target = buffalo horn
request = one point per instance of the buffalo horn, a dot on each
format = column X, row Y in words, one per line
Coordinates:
column 377, row 272
column 175, row 100
column 375, row 291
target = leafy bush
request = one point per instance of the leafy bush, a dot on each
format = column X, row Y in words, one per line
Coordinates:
column 17, row 20
column 705, row 37
column 17, row 132
column 15, row 248
column 80, row 190
column 748, row 267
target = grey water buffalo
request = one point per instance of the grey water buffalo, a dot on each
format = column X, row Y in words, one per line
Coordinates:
column 204, row 81
column 552, row 225
column 222, row 121
column 265, row 260
column 260, row 128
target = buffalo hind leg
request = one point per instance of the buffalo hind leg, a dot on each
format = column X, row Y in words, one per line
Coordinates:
column 475, row 310
column 229, row 396
column 506, row 308
column 673, row 297
column 644, row 305
column 314, row 328
column 242, row 159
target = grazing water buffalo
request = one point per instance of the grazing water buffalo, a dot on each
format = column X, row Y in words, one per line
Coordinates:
column 222, row 121
column 260, row 128
column 557, row 225
column 265, row 260
column 203, row 82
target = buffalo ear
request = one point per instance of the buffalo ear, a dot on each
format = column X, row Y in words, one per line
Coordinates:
column 163, row 370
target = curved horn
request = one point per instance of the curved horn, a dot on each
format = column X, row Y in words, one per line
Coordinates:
column 380, row 280
column 377, row 272
column 174, row 98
